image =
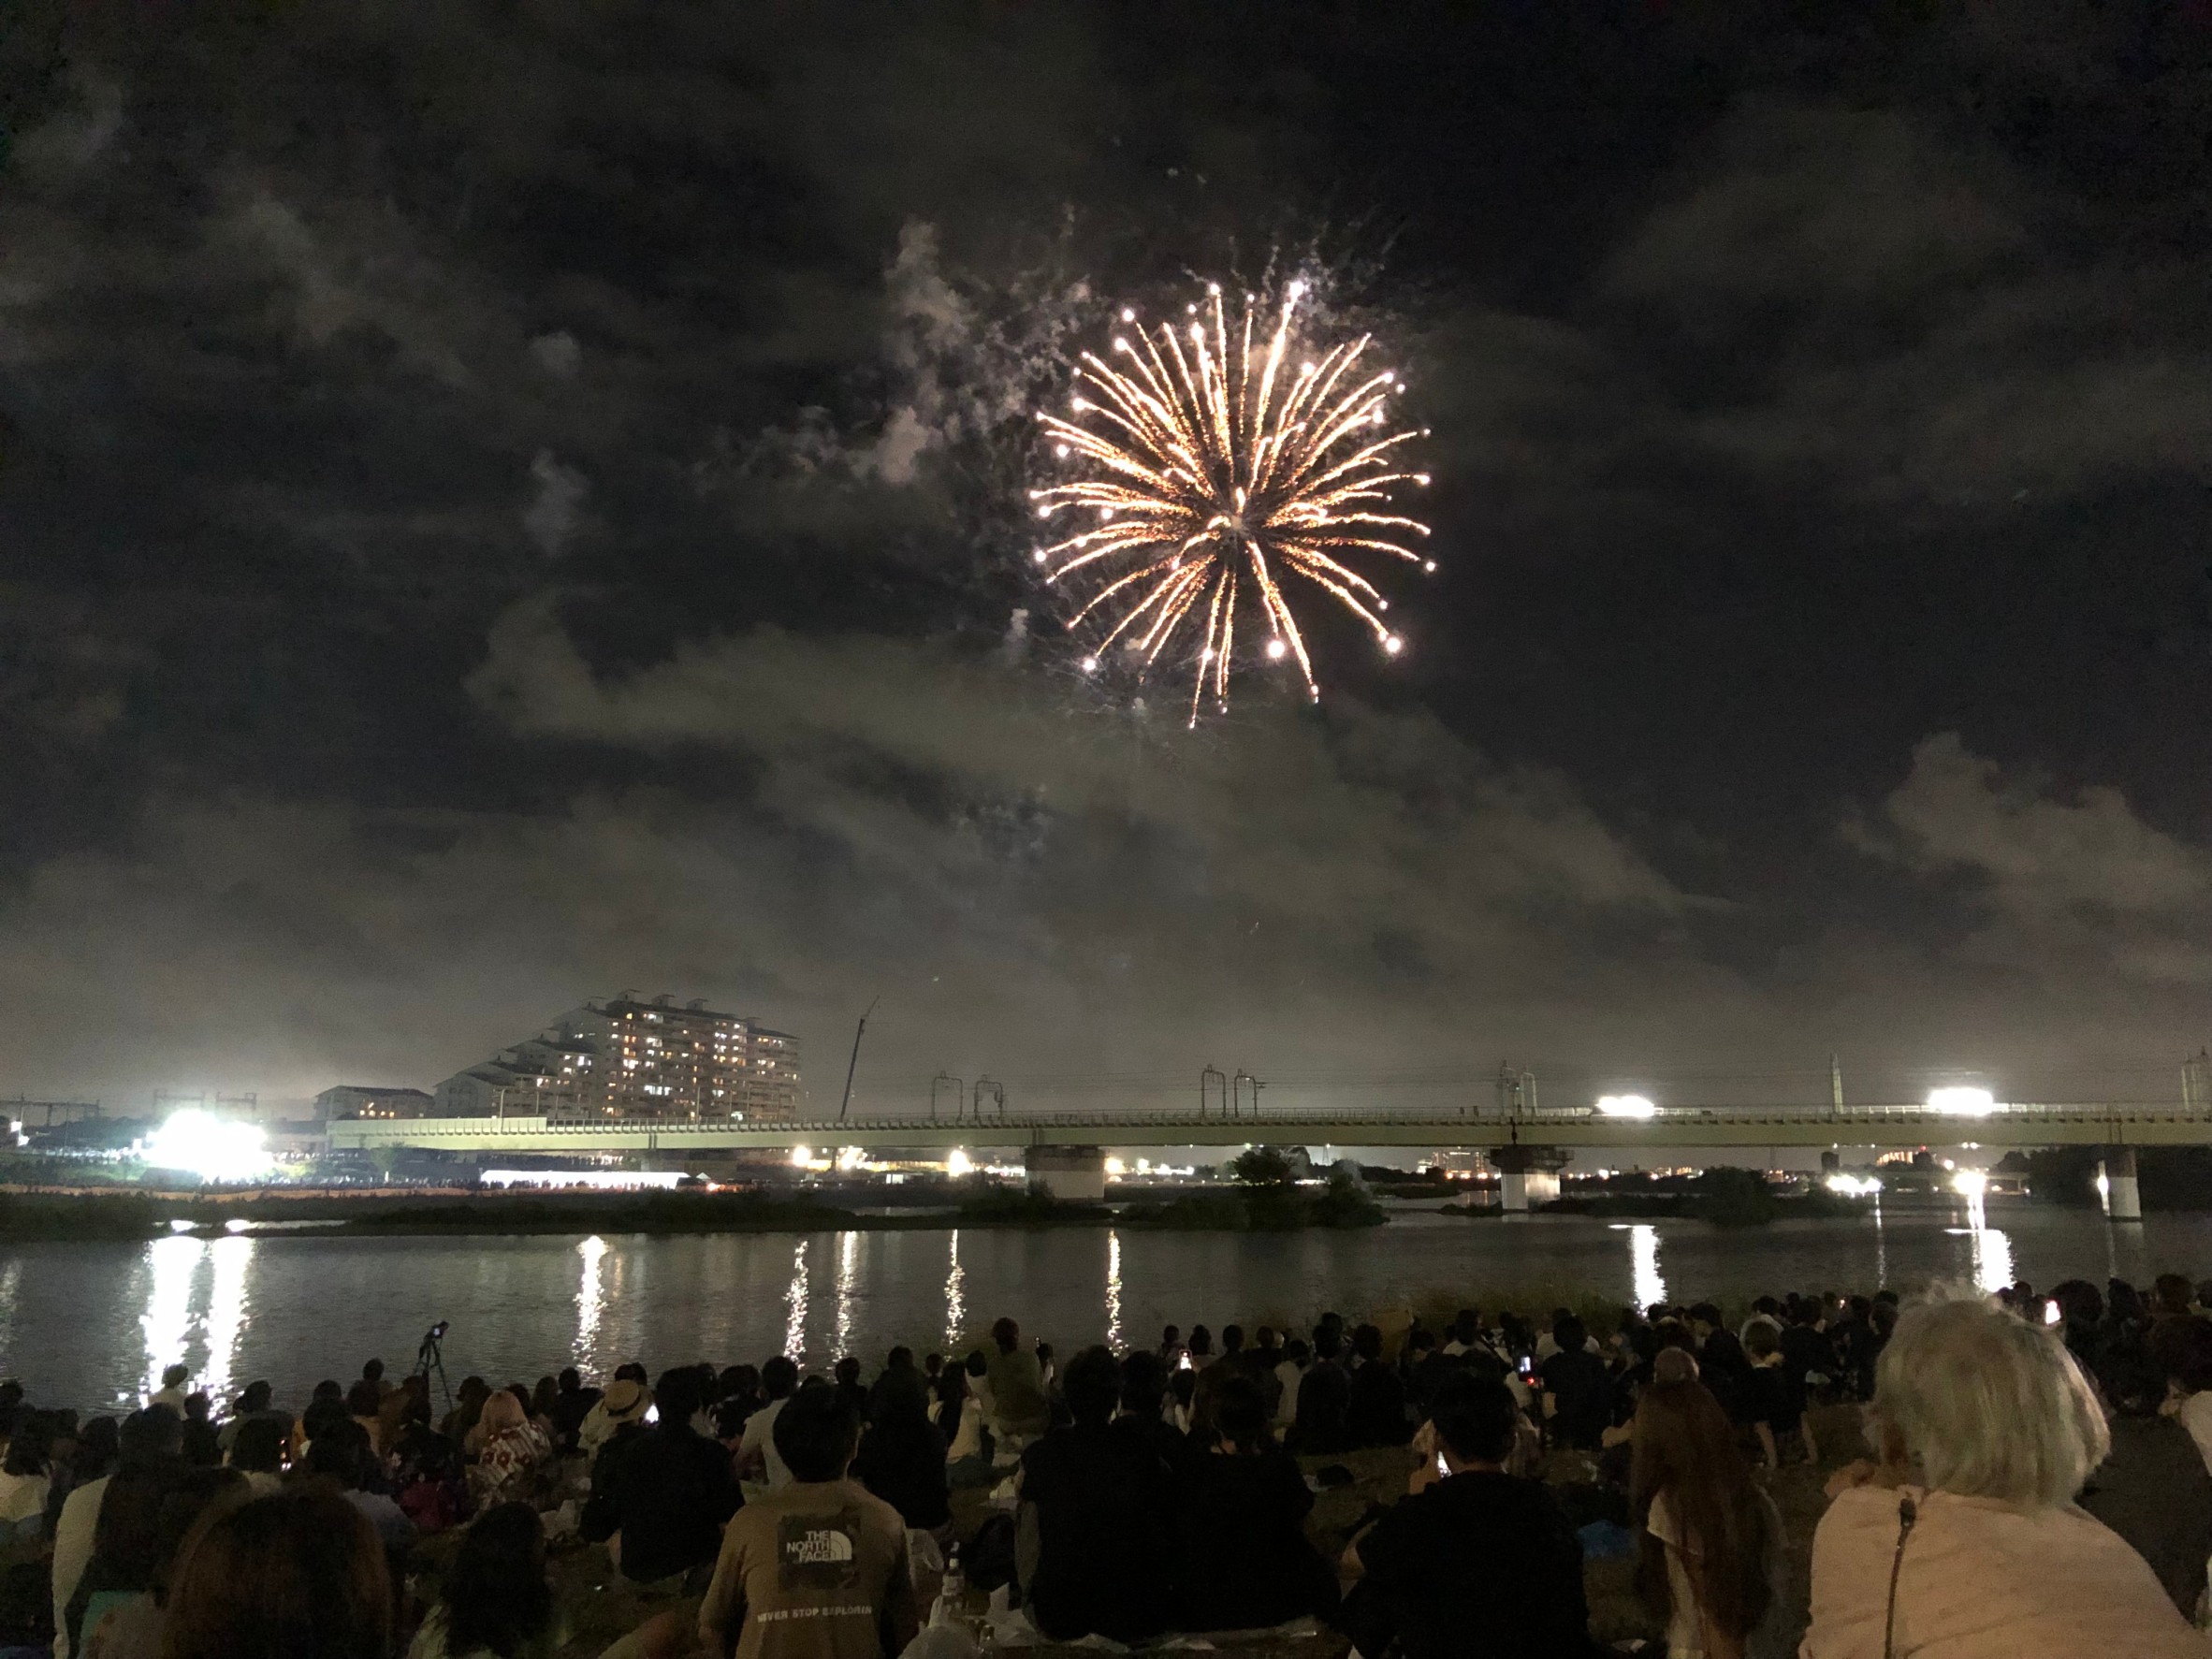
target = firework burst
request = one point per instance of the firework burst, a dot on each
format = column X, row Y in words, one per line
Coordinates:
column 1214, row 470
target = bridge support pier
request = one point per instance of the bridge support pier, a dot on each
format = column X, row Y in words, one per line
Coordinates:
column 1528, row 1176
column 2116, row 1181
column 1072, row 1174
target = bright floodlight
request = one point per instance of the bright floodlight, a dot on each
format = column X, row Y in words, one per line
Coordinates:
column 1970, row 1183
column 801, row 1157
column 957, row 1162
column 210, row 1147
column 1962, row 1102
column 1625, row 1106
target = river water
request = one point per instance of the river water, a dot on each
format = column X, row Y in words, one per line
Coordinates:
column 92, row 1325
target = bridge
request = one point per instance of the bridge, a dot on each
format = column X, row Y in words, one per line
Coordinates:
column 1667, row 1127
column 1065, row 1150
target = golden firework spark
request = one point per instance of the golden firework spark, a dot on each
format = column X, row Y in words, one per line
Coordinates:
column 1214, row 473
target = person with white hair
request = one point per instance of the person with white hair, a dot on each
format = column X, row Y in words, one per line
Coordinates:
column 1967, row 1544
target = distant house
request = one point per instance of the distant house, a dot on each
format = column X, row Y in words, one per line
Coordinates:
column 357, row 1099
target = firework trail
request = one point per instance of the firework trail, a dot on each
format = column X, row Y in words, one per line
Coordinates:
column 1214, row 471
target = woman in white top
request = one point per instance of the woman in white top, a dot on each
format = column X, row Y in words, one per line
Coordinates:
column 1967, row 1544
column 958, row 1414
column 1710, row 1548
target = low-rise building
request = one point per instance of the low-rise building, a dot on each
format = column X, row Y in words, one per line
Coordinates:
column 360, row 1099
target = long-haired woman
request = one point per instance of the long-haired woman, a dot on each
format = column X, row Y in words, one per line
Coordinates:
column 1710, row 1540
column 496, row 1599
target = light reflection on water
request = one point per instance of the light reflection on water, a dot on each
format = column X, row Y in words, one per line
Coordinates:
column 955, row 1298
column 794, row 1333
column 230, row 1261
column 90, row 1325
column 192, row 1317
column 1992, row 1250
column 166, row 1322
column 1643, row 1250
column 1113, row 1289
column 591, row 1298
column 848, row 1259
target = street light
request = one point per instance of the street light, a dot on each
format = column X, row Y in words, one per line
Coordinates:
column 1625, row 1106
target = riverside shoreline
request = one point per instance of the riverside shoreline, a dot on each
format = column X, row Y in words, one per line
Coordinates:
column 88, row 1214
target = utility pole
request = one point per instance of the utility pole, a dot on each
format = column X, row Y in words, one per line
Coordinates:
column 853, row 1065
column 1214, row 1072
column 959, row 1087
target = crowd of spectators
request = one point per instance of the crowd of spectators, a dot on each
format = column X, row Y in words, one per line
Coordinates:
column 2038, row 1483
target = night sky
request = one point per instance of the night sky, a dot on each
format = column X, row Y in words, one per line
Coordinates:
column 507, row 503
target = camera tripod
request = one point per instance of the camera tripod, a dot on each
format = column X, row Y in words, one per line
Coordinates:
column 430, row 1358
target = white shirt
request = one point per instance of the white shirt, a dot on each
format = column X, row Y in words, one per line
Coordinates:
column 72, row 1552
column 967, row 1438
column 22, row 1496
column 760, row 1436
column 1287, row 1374
column 172, row 1398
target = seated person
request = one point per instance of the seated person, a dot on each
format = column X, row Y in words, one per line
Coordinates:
column 1324, row 1399
column 902, row 1456
column 1481, row 1565
column 1144, row 1408
column 1096, row 1503
column 816, row 1569
column 1374, row 1413
column 1241, row 1505
column 1577, row 1389
column 1021, row 1409
column 664, row 1491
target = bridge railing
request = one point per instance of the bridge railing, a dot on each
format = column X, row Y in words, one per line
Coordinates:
column 1342, row 1123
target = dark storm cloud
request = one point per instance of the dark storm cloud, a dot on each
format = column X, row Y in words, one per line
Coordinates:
column 503, row 504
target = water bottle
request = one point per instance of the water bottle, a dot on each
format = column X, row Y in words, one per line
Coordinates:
column 951, row 1596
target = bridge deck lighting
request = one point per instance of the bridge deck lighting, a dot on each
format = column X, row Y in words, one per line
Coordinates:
column 1962, row 1102
column 1625, row 1106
